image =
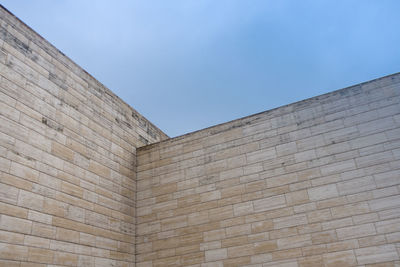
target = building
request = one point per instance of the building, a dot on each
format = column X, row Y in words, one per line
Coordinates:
column 85, row 180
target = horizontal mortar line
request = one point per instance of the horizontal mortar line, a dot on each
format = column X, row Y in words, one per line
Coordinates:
column 276, row 135
column 49, row 197
column 62, row 251
column 305, row 213
column 190, row 158
column 59, row 241
column 227, row 149
column 22, row 261
column 290, row 184
column 277, row 129
column 325, row 145
column 235, row 155
column 50, row 93
column 68, row 182
column 33, row 129
column 36, row 67
column 28, row 33
column 72, row 163
column 83, row 85
column 53, row 57
column 346, row 196
column 123, row 214
column 68, row 219
column 300, row 189
column 308, row 168
column 290, row 206
column 55, row 140
column 265, row 240
column 289, row 191
column 7, row 93
column 169, row 142
column 311, row 233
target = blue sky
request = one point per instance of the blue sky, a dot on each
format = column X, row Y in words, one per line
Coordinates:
column 191, row 64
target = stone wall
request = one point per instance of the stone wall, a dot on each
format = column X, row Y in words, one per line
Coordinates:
column 314, row 183
column 67, row 159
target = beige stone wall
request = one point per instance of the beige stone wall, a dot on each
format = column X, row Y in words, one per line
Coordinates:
column 314, row 183
column 67, row 159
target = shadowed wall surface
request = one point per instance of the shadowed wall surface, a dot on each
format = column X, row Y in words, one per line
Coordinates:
column 87, row 181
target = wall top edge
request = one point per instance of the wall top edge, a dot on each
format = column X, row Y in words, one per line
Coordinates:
column 278, row 111
column 68, row 62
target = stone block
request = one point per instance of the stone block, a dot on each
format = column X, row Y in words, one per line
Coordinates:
column 341, row 258
column 13, row 252
column 43, row 230
column 285, row 222
column 294, row 241
column 12, row 210
column 265, row 247
column 14, row 224
column 216, row 254
column 40, row 255
column 30, row 200
column 356, row 231
column 269, row 203
column 323, row 192
column 376, row 254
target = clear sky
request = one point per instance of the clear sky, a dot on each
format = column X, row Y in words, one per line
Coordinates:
column 191, row 64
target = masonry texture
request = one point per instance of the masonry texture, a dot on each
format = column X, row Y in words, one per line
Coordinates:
column 67, row 159
column 87, row 181
column 315, row 183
